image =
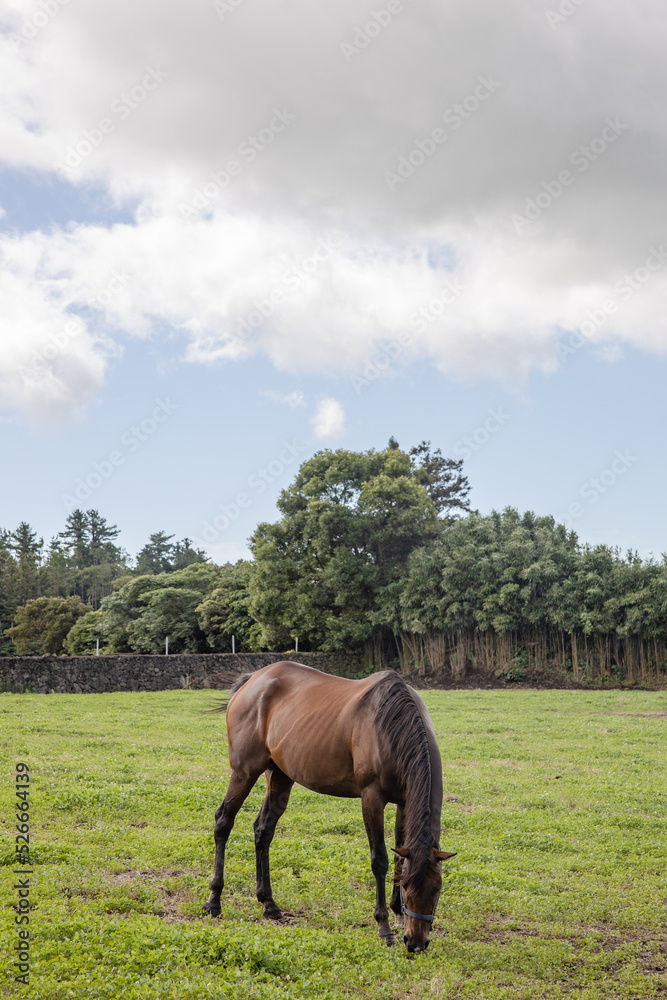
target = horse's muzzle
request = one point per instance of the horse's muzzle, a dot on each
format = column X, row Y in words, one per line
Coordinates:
column 414, row 949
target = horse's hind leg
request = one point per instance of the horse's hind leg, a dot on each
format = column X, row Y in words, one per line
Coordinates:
column 237, row 792
column 278, row 788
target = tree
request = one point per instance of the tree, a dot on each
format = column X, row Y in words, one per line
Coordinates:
column 8, row 592
column 136, row 619
column 90, row 554
column 168, row 611
column 160, row 555
column 101, row 547
column 350, row 521
column 224, row 612
column 76, row 540
column 156, row 555
column 83, row 635
column 185, row 555
column 56, row 574
column 42, row 624
column 443, row 479
column 27, row 549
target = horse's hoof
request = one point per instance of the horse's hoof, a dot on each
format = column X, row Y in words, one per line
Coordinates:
column 389, row 939
column 273, row 912
column 213, row 909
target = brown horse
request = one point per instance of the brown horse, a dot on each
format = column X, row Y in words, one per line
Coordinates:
column 371, row 739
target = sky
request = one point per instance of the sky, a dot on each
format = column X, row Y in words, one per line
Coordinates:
column 234, row 233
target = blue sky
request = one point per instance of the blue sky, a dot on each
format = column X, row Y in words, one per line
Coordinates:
column 550, row 439
column 249, row 172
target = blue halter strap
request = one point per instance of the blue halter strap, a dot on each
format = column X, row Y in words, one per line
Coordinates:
column 417, row 916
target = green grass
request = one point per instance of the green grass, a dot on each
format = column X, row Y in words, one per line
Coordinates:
column 556, row 807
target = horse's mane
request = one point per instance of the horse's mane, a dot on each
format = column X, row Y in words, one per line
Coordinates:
column 403, row 732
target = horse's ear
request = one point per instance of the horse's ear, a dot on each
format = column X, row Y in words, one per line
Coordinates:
column 402, row 852
column 444, row 855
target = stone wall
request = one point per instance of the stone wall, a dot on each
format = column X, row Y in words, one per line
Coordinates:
column 136, row 672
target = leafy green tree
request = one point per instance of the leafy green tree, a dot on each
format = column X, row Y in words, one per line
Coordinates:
column 121, row 608
column 81, row 640
column 349, row 522
column 168, row 611
column 137, row 619
column 42, row 624
column 224, row 612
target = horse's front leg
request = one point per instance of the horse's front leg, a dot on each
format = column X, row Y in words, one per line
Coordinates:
column 395, row 902
column 372, row 806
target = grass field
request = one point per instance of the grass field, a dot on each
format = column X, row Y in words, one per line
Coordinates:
column 556, row 805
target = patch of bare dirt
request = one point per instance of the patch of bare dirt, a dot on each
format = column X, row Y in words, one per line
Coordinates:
column 651, row 959
column 172, row 899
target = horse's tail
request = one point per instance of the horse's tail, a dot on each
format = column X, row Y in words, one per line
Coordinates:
column 222, row 705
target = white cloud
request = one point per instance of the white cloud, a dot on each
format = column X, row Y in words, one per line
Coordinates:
column 329, row 418
column 300, row 250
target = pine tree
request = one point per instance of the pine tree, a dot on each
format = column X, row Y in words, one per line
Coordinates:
column 442, row 478
column 156, row 555
column 27, row 549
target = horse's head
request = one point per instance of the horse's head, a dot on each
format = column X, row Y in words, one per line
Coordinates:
column 419, row 885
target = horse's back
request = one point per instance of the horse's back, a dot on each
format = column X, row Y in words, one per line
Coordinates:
column 314, row 726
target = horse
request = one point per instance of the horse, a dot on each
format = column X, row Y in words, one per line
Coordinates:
column 371, row 739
